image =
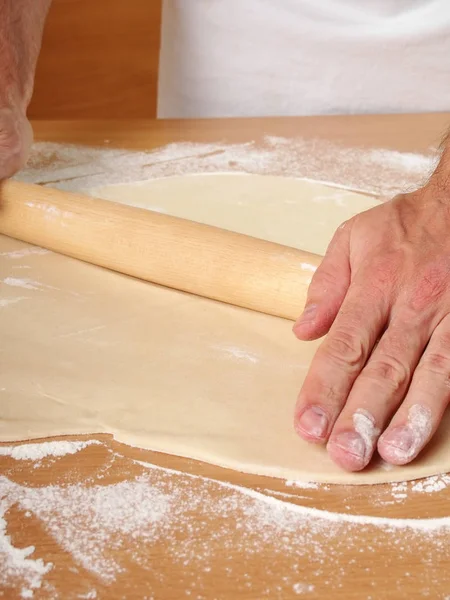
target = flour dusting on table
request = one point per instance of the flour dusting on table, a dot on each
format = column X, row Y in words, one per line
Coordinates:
column 374, row 171
column 42, row 450
column 102, row 525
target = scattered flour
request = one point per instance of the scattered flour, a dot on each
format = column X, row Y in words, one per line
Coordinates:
column 24, row 252
column 302, row 588
column 431, row 485
column 384, row 495
column 237, row 353
column 50, row 211
column 378, row 172
column 101, row 526
column 26, row 284
column 303, row 485
column 95, row 518
column 308, row 267
column 7, row 301
column 45, row 449
column 16, row 564
column 364, row 424
column 405, row 491
column 399, row 490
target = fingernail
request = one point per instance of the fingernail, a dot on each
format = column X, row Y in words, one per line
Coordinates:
column 307, row 316
column 351, row 443
column 402, row 443
column 313, row 422
column 399, row 443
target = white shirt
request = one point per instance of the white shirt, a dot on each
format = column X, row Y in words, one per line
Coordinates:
column 224, row 58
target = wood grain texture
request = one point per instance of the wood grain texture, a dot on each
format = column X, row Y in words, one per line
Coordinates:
column 99, row 59
column 177, row 253
column 404, row 133
column 360, row 571
column 346, row 565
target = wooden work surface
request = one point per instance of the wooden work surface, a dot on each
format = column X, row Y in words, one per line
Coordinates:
column 237, row 548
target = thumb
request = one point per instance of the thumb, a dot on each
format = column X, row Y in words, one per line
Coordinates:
column 327, row 289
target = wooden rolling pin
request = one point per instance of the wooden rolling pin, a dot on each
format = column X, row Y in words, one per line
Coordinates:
column 173, row 252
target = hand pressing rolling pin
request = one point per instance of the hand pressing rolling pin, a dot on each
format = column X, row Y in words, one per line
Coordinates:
column 381, row 378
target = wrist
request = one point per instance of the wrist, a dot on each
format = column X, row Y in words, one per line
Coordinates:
column 14, row 98
column 15, row 85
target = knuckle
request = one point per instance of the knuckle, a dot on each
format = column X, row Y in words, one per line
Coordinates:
column 444, row 342
column 345, row 348
column 324, row 393
column 384, row 270
column 391, row 371
column 436, row 359
column 346, row 224
column 324, row 279
column 331, row 395
column 428, row 288
column 341, row 231
column 436, row 362
column 378, row 277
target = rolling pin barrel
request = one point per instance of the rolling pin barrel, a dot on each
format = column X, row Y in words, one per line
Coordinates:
column 173, row 252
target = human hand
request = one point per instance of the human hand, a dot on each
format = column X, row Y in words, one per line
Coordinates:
column 15, row 140
column 382, row 293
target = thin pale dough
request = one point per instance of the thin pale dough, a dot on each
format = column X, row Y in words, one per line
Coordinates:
column 85, row 350
column 294, row 212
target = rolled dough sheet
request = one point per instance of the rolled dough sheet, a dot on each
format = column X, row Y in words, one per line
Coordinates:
column 294, row 212
column 84, row 350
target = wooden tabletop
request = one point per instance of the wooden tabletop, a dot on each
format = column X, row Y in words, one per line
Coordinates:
column 405, row 133
column 223, row 534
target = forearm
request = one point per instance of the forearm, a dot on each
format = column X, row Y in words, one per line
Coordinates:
column 21, row 27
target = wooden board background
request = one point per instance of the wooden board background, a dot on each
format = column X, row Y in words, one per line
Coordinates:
column 99, row 59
